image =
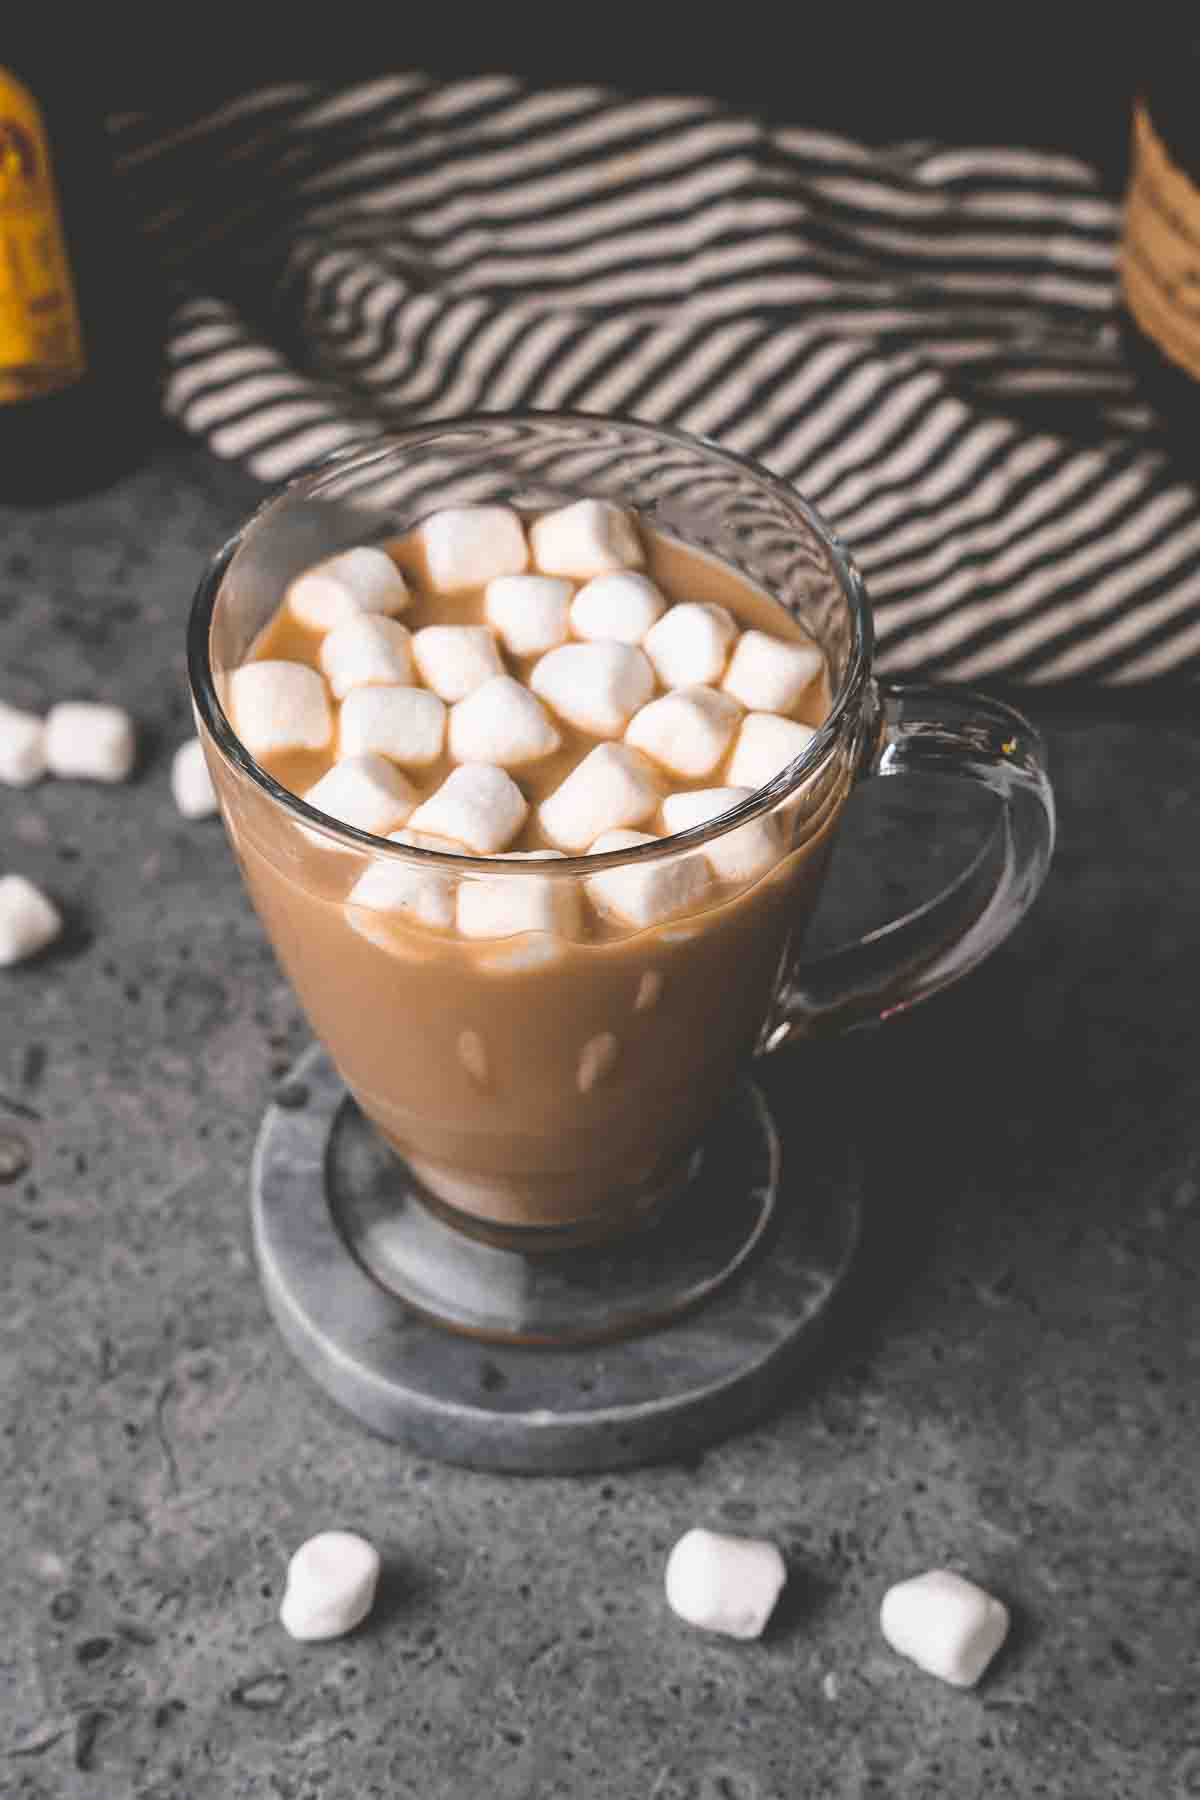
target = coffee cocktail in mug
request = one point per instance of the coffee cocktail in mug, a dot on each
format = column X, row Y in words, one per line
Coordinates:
column 532, row 736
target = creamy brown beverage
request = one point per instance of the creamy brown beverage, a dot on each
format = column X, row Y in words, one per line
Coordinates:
column 541, row 1077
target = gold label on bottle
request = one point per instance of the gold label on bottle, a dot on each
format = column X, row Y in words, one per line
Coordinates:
column 41, row 341
column 1160, row 249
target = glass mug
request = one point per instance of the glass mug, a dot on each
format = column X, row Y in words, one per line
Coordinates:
column 549, row 1090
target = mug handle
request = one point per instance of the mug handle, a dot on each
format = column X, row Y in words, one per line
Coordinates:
column 927, row 730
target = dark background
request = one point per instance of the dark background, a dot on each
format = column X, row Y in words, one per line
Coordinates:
column 1059, row 77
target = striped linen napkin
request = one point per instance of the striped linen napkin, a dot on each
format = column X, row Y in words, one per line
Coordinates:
column 922, row 338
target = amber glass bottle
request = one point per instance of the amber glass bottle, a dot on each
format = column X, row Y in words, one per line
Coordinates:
column 1160, row 244
column 80, row 313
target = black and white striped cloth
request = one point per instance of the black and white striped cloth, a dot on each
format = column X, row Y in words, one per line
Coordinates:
column 923, row 339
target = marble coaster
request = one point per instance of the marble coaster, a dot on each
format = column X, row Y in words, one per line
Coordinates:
column 553, row 1362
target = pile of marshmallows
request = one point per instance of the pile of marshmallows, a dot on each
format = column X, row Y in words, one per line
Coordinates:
column 939, row 1620
column 604, row 638
column 77, row 740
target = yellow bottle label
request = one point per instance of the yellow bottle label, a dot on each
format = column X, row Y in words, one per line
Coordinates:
column 41, row 340
column 1160, row 249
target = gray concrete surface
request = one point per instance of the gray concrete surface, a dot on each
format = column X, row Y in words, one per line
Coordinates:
column 1011, row 1388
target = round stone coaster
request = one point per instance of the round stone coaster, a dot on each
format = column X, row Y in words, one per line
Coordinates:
column 456, row 1347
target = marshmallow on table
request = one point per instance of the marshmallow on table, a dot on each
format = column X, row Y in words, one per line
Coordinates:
column 367, row 652
column 365, row 580
column 944, row 1624
column 724, row 1583
column 770, row 674
column 503, row 723
column 331, row 1582
column 277, row 706
column 584, row 539
column 688, row 730
column 364, row 791
column 89, row 741
column 595, row 687
column 765, row 745
column 529, row 612
column 689, row 645
column 191, row 783
column 455, row 659
column 645, row 893
column 22, row 746
column 614, row 786
column 739, row 855
column 620, row 605
column 499, row 906
column 28, row 921
column 467, row 546
column 394, row 886
column 407, row 725
column 477, row 806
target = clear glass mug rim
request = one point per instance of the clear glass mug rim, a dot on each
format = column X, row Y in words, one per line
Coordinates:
column 847, row 701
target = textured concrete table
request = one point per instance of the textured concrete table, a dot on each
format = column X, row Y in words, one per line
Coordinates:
column 1011, row 1388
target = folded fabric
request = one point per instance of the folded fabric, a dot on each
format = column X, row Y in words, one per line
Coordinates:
column 922, row 338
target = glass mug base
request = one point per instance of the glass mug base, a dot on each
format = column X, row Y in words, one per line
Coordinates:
column 547, row 1359
column 466, row 1204
column 672, row 1248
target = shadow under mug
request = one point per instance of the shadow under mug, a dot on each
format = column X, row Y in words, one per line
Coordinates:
column 551, row 1090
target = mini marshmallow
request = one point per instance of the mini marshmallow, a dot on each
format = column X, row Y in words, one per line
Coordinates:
column 649, row 991
column 595, row 687
column 529, row 613
column 585, row 539
column 477, row 805
column 89, row 741
column 467, row 546
column 944, row 1624
column 724, row 1583
column 367, row 652
column 191, row 783
column 517, row 957
column 687, row 731
column 453, row 660
column 690, row 643
column 613, row 786
column 472, row 1054
column 740, row 855
column 503, row 723
column 364, row 791
column 401, row 887
column 621, row 606
column 22, row 746
column 770, row 674
column 380, row 929
column 646, row 893
column 331, row 1582
column 505, row 906
column 276, row 706
column 597, row 1060
column 28, row 921
column 407, row 725
column 765, row 745
column 365, row 580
